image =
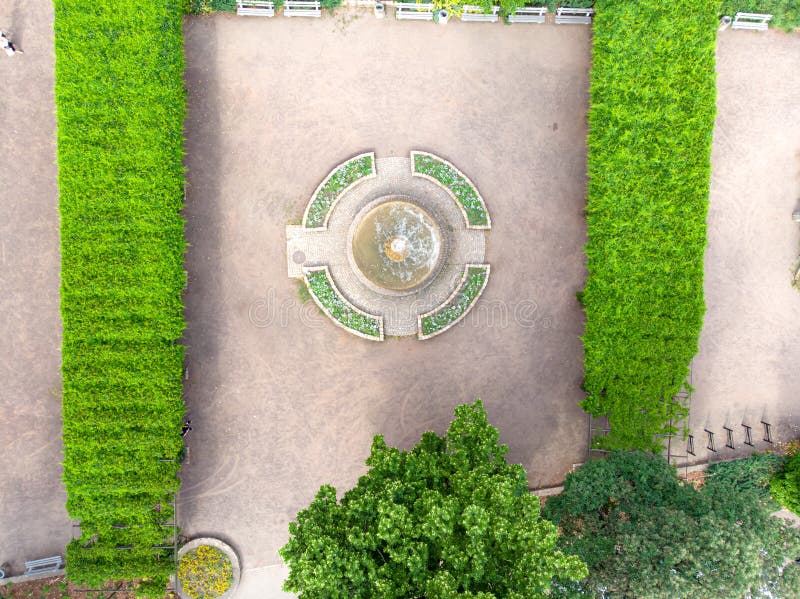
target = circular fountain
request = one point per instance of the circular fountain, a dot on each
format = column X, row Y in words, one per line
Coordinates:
column 397, row 247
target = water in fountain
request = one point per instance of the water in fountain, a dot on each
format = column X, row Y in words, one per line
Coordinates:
column 396, row 245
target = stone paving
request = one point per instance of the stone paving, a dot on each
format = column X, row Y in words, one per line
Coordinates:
column 306, row 247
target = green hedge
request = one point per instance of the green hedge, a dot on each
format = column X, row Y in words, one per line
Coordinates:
column 121, row 103
column 650, row 124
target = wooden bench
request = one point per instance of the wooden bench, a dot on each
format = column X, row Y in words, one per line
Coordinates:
column 529, row 14
column 420, row 11
column 476, row 14
column 751, row 21
column 47, row 564
column 302, row 8
column 255, row 8
column 574, row 16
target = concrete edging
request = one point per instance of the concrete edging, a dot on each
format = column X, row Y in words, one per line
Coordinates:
column 31, row 577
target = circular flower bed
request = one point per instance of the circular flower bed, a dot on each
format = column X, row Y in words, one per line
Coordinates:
column 205, row 572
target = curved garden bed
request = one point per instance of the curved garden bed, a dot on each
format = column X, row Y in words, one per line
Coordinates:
column 207, row 569
column 339, row 180
column 456, row 307
column 335, row 305
column 457, row 184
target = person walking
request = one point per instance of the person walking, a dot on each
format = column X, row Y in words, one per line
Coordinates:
column 8, row 46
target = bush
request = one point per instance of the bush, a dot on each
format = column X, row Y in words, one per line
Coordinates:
column 120, row 102
column 645, row 533
column 650, row 124
column 751, row 475
column 785, row 485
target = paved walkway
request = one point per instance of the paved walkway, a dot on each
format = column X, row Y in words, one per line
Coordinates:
column 464, row 246
column 33, row 520
column 747, row 367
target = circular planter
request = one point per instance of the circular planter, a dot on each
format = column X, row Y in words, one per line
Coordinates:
column 380, row 10
column 236, row 571
column 443, row 16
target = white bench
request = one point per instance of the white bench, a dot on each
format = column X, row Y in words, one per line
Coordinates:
column 471, row 12
column 255, row 8
column 302, row 8
column 574, row 16
column 529, row 14
column 47, row 564
column 751, row 20
column 420, row 11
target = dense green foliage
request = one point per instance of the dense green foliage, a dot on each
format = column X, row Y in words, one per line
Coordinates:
column 321, row 287
column 341, row 178
column 460, row 303
column 466, row 195
column 785, row 13
column 120, row 101
column 449, row 518
column 645, row 533
column 785, row 485
column 751, row 474
column 650, row 123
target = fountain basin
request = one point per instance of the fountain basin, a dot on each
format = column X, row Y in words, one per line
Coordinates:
column 396, row 246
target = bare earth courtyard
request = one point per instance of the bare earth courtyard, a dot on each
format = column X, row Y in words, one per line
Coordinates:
column 281, row 400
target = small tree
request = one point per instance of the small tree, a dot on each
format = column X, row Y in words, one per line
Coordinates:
column 645, row 533
column 449, row 518
column 785, row 485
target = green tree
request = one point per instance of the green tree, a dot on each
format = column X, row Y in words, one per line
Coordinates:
column 449, row 518
column 644, row 533
column 785, row 485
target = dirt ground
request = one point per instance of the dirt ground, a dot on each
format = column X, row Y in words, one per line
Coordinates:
column 281, row 400
column 747, row 367
column 33, row 520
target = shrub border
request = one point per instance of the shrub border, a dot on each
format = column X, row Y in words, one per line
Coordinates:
column 319, row 188
column 309, row 269
column 450, row 192
column 421, row 336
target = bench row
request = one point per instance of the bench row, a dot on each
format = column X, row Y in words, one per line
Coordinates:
column 422, row 12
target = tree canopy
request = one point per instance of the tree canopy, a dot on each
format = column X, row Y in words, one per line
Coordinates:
column 449, row 518
column 645, row 533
